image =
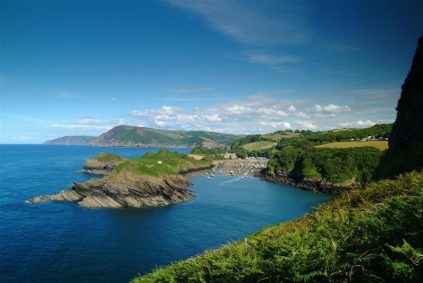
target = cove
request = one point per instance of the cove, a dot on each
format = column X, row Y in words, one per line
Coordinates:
column 62, row 242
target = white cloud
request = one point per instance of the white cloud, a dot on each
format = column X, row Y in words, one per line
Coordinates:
column 292, row 108
column 270, row 60
column 264, row 111
column 281, row 125
column 253, row 22
column 214, row 118
column 69, row 126
column 89, row 121
column 259, row 113
column 238, row 109
column 305, row 125
column 89, row 124
column 329, row 110
column 358, row 124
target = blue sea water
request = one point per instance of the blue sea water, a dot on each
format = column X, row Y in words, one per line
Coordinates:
column 61, row 242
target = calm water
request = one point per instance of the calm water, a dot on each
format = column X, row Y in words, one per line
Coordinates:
column 61, row 242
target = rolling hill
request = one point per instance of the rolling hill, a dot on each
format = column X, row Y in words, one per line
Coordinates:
column 72, row 140
column 147, row 137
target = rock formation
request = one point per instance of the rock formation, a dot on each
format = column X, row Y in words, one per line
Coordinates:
column 406, row 141
column 152, row 180
column 125, row 190
column 102, row 164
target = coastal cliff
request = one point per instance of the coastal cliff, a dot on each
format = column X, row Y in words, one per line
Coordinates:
column 406, row 142
column 149, row 181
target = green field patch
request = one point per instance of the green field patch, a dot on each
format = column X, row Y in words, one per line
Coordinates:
column 260, row 145
column 163, row 162
column 381, row 145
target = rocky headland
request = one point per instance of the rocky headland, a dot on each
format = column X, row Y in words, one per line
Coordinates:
column 150, row 181
column 102, row 164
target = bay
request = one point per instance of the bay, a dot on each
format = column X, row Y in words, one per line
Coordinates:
column 61, row 242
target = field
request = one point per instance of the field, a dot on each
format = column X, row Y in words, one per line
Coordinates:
column 277, row 136
column 260, row 145
column 382, row 145
column 196, row 156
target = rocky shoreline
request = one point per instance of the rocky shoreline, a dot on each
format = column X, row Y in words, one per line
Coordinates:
column 126, row 190
column 309, row 185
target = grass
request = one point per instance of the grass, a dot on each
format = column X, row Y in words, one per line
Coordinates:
column 195, row 156
column 372, row 235
column 260, row 145
column 106, row 156
column 381, row 145
column 163, row 162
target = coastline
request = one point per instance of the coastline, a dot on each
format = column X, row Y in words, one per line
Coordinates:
column 308, row 185
column 256, row 168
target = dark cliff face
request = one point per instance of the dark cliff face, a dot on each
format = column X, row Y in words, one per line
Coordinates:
column 406, row 142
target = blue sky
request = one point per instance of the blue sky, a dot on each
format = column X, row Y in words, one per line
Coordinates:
column 82, row 67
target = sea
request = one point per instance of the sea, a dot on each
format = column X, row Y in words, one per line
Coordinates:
column 62, row 242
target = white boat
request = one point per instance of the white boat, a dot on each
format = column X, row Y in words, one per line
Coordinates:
column 208, row 178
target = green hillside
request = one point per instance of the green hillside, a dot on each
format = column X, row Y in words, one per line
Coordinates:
column 260, row 145
column 372, row 235
column 164, row 162
column 140, row 136
column 343, row 166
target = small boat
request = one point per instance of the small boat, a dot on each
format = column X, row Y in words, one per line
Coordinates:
column 208, row 178
column 212, row 175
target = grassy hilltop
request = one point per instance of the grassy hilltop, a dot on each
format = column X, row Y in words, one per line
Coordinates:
column 164, row 162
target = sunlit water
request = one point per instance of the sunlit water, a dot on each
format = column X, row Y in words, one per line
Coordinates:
column 61, row 242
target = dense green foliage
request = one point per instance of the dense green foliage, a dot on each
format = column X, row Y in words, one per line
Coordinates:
column 210, row 153
column 306, row 139
column 127, row 135
column 164, row 162
column 371, row 235
column 332, row 165
column 381, row 131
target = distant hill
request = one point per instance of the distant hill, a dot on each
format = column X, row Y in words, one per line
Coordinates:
column 148, row 137
column 72, row 140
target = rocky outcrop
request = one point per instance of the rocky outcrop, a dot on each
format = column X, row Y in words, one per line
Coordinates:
column 406, row 141
column 310, row 185
column 102, row 164
column 125, row 190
